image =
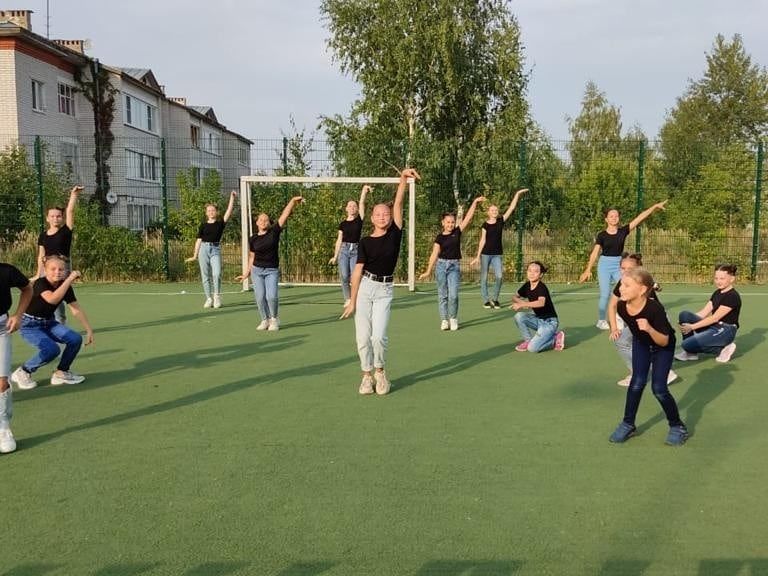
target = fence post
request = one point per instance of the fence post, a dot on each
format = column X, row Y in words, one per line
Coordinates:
column 640, row 190
column 522, row 163
column 758, row 200
column 164, row 176
column 39, row 170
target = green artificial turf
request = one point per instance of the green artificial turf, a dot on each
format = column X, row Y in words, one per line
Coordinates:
column 198, row 446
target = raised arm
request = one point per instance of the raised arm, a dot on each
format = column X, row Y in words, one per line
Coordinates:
column 431, row 264
column 69, row 213
column 513, row 204
column 230, row 206
column 645, row 213
column 288, row 209
column 587, row 274
column 397, row 206
column 470, row 212
column 361, row 203
column 480, row 247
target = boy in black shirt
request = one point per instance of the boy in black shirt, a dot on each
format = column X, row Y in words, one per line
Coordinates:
column 10, row 277
column 40, row 329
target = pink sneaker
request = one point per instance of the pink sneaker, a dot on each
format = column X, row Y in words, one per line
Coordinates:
column 522, row 347
column 560, row 340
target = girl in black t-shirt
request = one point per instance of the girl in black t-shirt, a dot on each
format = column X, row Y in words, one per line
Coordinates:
column 619, row 333
column 653, row 346
column 263, row 265
column 345, row 250
column 536, row 317
column 712, row 330
column 446, row 253
column 40, row 329
column 208, row 251
column 609, row 245
column 372, row 288
column 490, row 249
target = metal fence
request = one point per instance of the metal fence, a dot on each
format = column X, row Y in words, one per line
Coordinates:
column 714, row 213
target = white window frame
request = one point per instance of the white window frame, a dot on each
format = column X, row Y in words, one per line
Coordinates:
column 143, row 167
column 140, row 215
column 66, row 101
column 38, row 96
column 74, row 157
column 211, row 142
column 242, row 155
column 140, row 114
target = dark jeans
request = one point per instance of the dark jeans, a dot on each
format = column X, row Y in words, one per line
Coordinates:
column 657, row 361
column 710, row 340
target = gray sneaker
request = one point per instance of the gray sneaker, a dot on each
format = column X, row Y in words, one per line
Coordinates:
column 23, row 379
column 59, row 378
column 382, row 383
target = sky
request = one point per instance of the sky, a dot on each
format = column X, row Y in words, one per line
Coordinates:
column 259, row 62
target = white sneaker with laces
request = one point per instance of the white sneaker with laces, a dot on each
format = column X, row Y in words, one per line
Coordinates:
column 454, row 324
column 603, row 325
column 382, row 383
column 23, row 379
column 366, row 385
column 7, row 441
column 60, row 377
column 444, row 325
column 726, row 353
column 671, row 377
column 208, row 303
column 684, row 356
column 624, row 382
column 263, row 325
column 274, row 324
column 217, row 300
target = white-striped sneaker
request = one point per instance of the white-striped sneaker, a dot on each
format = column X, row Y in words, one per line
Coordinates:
column 726, row 353
column 23, row 379
column 60, row 377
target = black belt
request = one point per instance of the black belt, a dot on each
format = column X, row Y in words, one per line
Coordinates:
column 377, row 278
column 212, row 243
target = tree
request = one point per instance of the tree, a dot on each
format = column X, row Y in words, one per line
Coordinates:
column 185, row 220
column 728, row 105
column 595, row 131
column 439, row 70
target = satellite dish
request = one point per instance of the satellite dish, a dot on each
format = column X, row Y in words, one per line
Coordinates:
column 111, row 197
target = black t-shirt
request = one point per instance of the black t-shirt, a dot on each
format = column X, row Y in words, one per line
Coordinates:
column 533, row 294
column 492, row 246
column 732, row 300
column 38, row 306
column 58, row 244
column 351, row 230
column 379, row 254
column 612, row 244
column 10, row 277
column 450, row 245
column 657, row 318
column 265, row 247
column 652, row 295
column 211, row 231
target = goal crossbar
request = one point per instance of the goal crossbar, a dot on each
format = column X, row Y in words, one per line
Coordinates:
column 246, row 210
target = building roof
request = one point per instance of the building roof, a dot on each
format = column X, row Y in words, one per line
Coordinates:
column 143, row 75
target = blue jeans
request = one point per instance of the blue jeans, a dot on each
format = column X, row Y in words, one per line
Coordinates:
column 264, row 282
column 624, row 345
column 46, row 335
column 658, row 361
column 488, row 261
column 608, row 274
column 347, row 261
column 544, row 330
column 374, row 300
column 209, row 259
column 5, row 348
column 448, row 274
column 709, row 340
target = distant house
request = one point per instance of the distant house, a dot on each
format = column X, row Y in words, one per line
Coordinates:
column 39, row 98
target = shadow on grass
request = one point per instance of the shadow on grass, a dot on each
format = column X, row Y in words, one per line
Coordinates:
column 167, row 364
column 127, row 569
column 191, row 399
column 474, row 567
column 306, row 569
column 452, row 366
column 165, row 320
column 32, row 570
column 216, row 569
column 621, row 567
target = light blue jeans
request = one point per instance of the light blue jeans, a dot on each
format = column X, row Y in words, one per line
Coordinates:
column 488, row 261
column 374, row 300
column 209, row 259
column 347, row 261
column 624, row 344
column 46, row 335
column 264, row 281
column 710, row 340
column 544, row 330
column 5, row 348
column 448, row 275
column 608, row 274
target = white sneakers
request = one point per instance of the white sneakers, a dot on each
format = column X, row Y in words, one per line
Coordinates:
column 263, row 325
column 603, row 325
column 60, row 377
column 684, row 356
column 366, row 385
column 7, row 441
column 444, row 325
column 23, row 379
column 671, row 377
column 274, row 324
column 726, row 353
column 454, row 324
column 208, row 303
column 382, row 383
column 217, row 300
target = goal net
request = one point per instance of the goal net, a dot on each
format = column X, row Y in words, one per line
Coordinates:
column 307, row 243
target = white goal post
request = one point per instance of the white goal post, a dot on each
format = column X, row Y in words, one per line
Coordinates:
column 246, row 208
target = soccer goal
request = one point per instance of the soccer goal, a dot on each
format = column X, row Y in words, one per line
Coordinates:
column 258, row 193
